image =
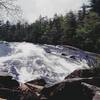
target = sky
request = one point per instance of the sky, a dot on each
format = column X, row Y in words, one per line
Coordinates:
column 32, row 9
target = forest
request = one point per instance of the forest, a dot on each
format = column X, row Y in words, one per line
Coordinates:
column 80, row 29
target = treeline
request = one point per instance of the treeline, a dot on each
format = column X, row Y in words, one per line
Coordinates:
column 81, row 29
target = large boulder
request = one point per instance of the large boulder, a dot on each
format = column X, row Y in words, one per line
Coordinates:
column 72, row 89
column 91, row 90
column 10, row 89
column 85, row 73
column 8, row 82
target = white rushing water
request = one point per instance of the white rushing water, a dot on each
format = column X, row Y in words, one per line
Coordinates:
column 27, row 61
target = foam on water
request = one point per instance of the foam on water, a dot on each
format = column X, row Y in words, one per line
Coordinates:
column 27, row 61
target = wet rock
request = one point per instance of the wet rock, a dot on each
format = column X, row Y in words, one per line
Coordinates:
column 30, row 91
column 10, row 89
column 92, row 91
column 8, row 82
column 97, row 96
column 17, row 94
column 66, row 90
column 73, row 57
column 85, row 73
column 72, row 89
column 63, row 54
column 10, row 94
column 69, row 89
column 27, row 93
column 74, row 74
column 40, row 82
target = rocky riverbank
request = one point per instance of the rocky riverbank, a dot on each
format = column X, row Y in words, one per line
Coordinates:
column 79, row 87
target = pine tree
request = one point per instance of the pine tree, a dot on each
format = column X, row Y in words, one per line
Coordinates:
column 95, row 6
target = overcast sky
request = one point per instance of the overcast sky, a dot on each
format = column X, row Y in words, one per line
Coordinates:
column 32, row 9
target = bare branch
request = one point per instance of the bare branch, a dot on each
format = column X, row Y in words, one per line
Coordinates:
column 9, row 9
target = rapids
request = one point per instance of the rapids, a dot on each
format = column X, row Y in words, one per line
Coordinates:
column 26, row 61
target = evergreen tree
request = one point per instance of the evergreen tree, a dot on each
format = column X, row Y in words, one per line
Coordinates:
column 95, row 6
column 69, row 29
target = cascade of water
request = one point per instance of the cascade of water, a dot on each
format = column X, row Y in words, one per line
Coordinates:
column 27, row 61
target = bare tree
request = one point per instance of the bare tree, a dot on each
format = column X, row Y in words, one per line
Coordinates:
column 9, row 9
